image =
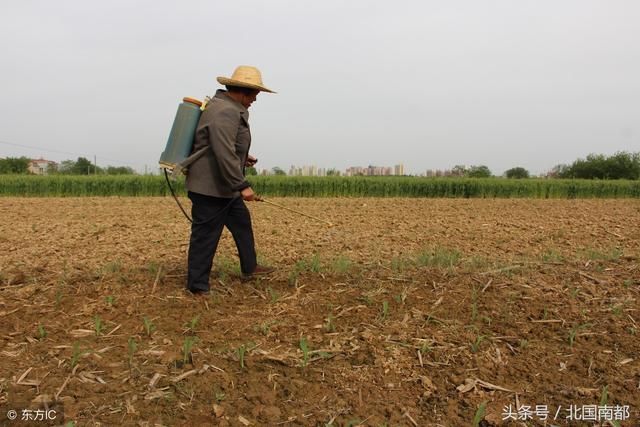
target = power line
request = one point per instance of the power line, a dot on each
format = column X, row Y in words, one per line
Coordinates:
column 63, row 152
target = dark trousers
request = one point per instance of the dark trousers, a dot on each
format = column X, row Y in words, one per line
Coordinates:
column 210, row 215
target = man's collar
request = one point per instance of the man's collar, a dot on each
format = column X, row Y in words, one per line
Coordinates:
column 223, row 94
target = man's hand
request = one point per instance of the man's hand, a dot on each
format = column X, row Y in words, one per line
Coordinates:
column 251, row 161
column 248, row 194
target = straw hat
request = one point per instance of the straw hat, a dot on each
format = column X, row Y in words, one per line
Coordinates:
column 245, row 76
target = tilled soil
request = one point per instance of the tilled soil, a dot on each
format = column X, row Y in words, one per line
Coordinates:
column 413, row 312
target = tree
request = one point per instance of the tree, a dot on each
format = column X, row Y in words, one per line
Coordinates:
column 14, row 165
column 66, row 167
column 251, row 171
column 333, row 172
column 82, row 166
column 622, row 165
column 459, row 170
column 558, row 171
column 479, row 172
column 517, row 173
column 278, row 171
column 119, row 170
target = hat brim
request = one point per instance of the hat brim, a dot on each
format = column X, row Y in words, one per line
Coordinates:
column 230, row 82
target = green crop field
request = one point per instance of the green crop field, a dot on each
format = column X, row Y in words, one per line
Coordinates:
column 284, row 186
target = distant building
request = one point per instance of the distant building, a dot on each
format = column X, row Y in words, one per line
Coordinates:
column 41, row 166
column 370, row 171
column 307, row 171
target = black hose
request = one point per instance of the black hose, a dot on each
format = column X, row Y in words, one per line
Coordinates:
column 173, row 193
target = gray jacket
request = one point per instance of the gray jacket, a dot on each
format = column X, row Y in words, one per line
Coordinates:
column 224, row 127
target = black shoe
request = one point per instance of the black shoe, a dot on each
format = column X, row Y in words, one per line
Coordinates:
column 259, row 271
column 200, row 294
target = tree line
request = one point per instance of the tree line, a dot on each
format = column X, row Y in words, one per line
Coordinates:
column 81, row 166
column 621, row 165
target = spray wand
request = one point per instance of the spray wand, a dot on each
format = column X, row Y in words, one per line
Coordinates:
column 260, row 199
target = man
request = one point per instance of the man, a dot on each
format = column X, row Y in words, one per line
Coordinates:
column 216, row 183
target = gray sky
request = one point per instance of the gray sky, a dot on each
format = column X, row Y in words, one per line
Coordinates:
column 430, row 84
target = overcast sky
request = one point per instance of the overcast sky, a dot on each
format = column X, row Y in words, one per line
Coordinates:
column 430, row 84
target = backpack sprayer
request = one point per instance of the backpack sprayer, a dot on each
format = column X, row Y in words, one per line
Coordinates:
column 177, row 156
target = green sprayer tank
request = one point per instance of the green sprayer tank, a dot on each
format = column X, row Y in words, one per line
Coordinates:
column 182, row 133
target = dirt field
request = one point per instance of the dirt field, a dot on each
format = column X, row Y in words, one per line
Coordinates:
column 405, row 313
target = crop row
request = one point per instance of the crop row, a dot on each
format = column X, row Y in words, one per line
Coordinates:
column 284, row 186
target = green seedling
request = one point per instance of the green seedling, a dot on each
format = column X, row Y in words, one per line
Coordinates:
column 132, row 347
column 617, row 310
column 604, row 396
column 273, row 295
column 480, row 413
column 604, row 399
column 186, row 348
column 113, row 267
column 264, row 328
column 305, row 351
column 241, row 352
column 384, row 313
column 402, row 296
column 440, row 257
column 58, row 297
column 220, row 396
column 423, row 259
column 476, row 263
column 444, row 257
column 523, row 343
column 223, row 276
column 398, row 265
column 595, row 255
column 341, row 265
column 75, row 354
column 149, row 327
column 98, row 325
column 425, row 348
column 366, row 299
column 300, row 266
column 573, row 332
column 191, row 325
column 315, row 265
column 552, row 256
column 293, row 277
column 110, row 300
column 476, row 345
column 329, row 325
column 42, row 333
